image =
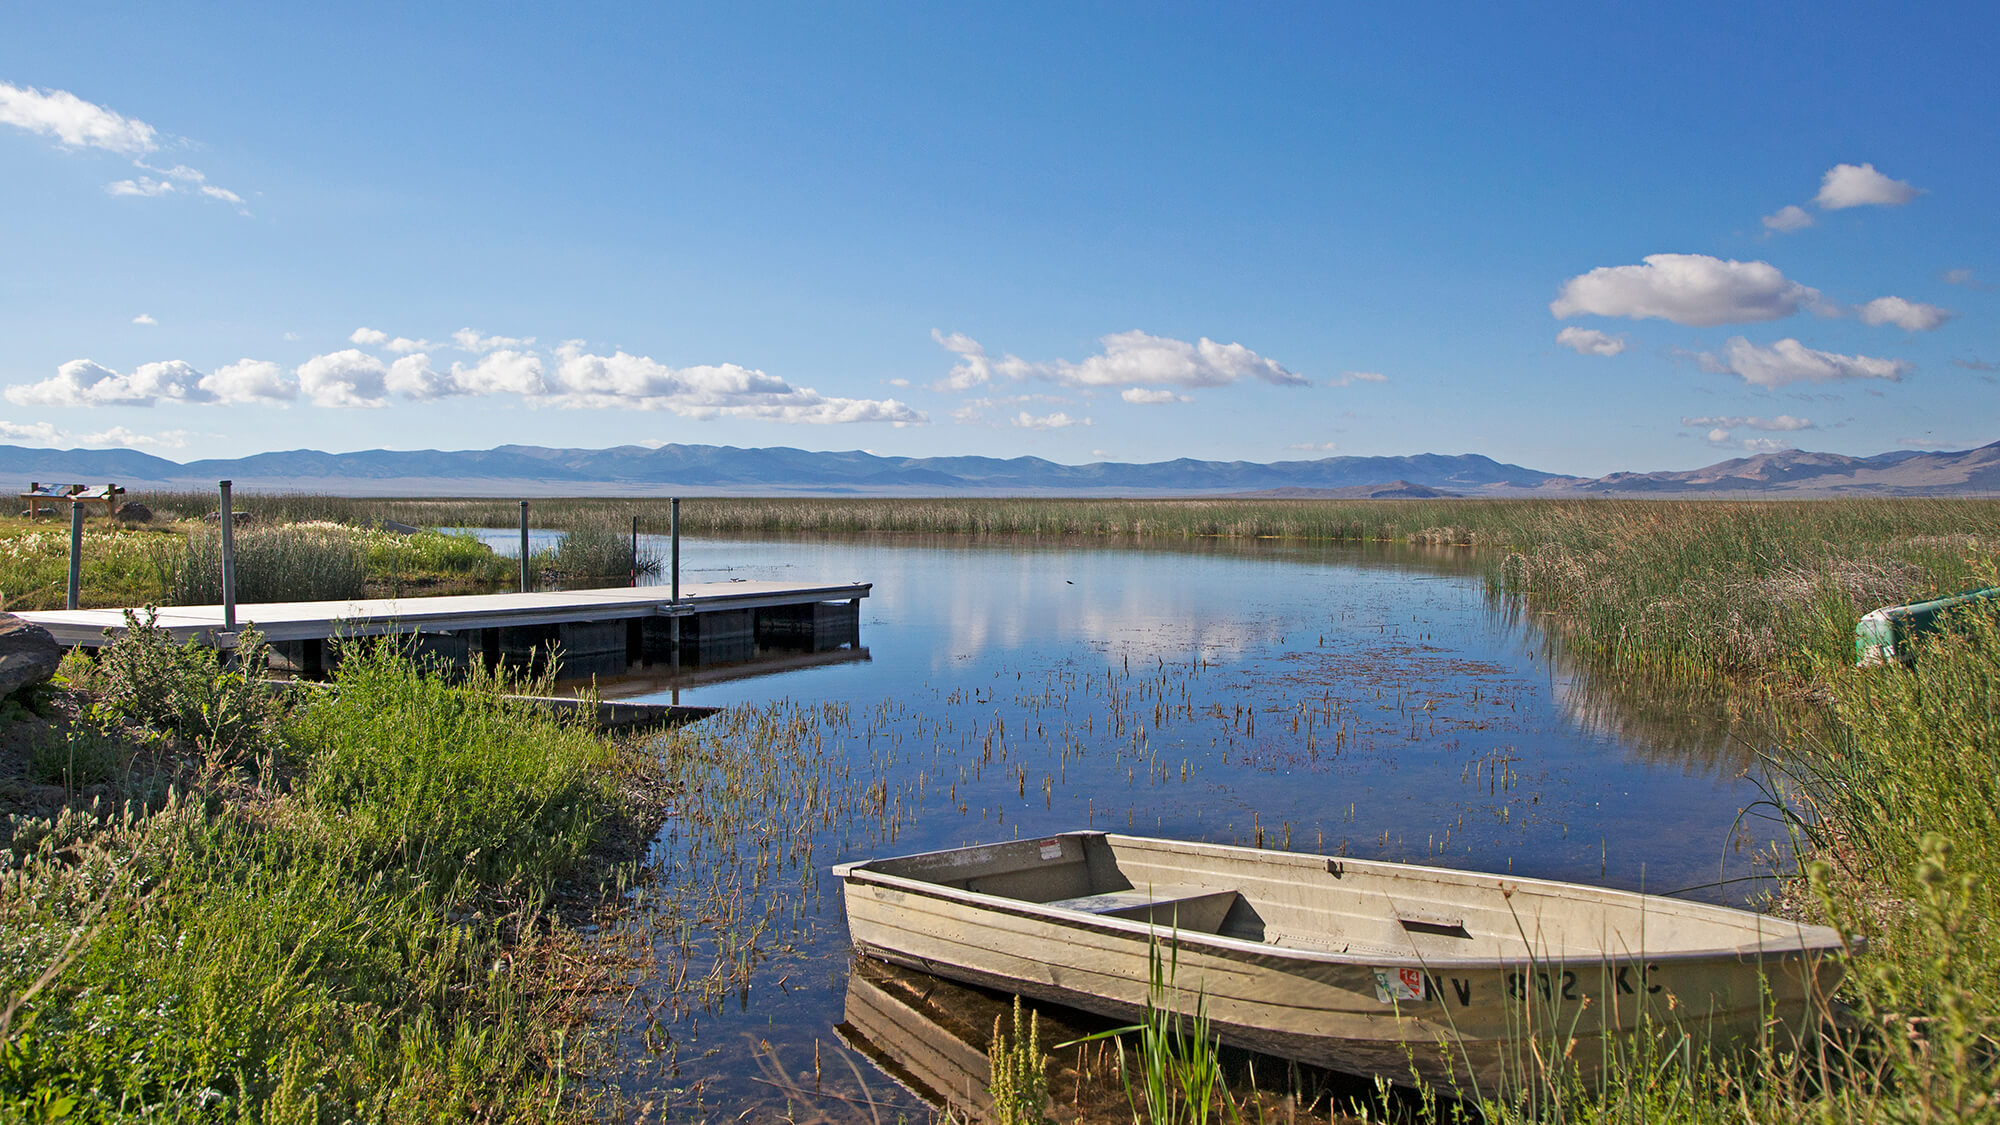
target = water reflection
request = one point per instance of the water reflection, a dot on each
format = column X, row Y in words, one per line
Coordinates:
column 1373, row 701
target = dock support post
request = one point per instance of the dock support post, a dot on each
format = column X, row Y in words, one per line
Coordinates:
column 227, row 520
column 75, row 554
column 524, row 546
column 674, row 636
column 635, row 550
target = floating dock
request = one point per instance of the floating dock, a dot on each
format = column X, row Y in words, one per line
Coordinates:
column 602, row 632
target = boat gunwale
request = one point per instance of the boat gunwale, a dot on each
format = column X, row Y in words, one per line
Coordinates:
column 1802, row 941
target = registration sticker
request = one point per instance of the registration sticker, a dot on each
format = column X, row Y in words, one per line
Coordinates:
column 1051, row 849
column 1392, row 985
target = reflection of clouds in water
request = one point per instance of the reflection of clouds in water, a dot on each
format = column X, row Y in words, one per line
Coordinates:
column 1084, row 598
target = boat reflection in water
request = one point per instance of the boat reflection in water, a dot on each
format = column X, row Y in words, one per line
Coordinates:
column 932, row 1036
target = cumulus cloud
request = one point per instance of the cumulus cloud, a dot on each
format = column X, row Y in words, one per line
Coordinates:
column 250, row 380
column 40, row 433
column 144, row 318
column 1913, row 316
column 1133, row 358
column 83, row 382
column 1781, row 423
column 1056, row 421
column 501, row 372
column 1766, row 445
column 350, row 378
column 584, row 380
column 1144, row 397
column 1314, row 446
column 1860, row 185
column 1692, row 289
column 1348, row 378
column 1965, row 277
column 1788, row 218
column 1789, row 361
column 74, row 122
column 376, row 338
column 1589, row 341
column 470, row 340
column 127, row 439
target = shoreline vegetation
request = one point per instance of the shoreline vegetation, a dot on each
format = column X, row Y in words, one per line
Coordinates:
column 312, row 849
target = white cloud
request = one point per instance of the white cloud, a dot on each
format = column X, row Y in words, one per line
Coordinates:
column 1788, row 218
column 82, row 382
column 899, row 382
column 1314, row 446
column 413, row 377
column 144, row 318
column 127, row 439
column 1130, row 358
column 376, row 338
column 1589, row 341
column 1789, row 361
column 292, row 337
column 583, row 380
column 145, row 186
column 250, row 380
column 1782, row 422
column 1056, row 421
column 74, row 122
column 1965, row 277
column 471, row 341
column 1144, row 397
column 505, row 371
column 1860, row 185
column 1912, row 316
column 1348, row 378
column 1692, row 289
column 40, row 433
column 1766, row 445
column 346, row 379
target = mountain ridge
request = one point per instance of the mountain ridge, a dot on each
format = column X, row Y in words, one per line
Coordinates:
column 729, row 470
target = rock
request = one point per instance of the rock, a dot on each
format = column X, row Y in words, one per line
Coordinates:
column 134, row 512
column 28, row 654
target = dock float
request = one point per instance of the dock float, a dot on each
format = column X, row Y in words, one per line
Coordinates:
column 601, row 632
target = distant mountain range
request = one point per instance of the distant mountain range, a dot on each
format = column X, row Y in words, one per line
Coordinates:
column 528, row 470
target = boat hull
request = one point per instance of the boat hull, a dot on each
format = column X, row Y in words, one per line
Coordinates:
column 1419, row 1015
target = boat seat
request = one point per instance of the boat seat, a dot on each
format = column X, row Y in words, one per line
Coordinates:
column 1184, row 906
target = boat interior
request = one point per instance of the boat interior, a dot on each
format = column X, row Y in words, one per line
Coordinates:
column 1338, row 906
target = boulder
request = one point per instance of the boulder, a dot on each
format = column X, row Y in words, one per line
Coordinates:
column 134, row 512
column 28, row 654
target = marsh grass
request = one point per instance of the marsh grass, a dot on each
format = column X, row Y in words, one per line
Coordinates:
column 598, row 545
column 322, row 938
column 274, row 563
column 1692, row 589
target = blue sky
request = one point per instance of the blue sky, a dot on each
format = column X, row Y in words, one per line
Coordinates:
column 1554, row 235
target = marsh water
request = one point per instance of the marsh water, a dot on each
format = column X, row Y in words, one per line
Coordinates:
column 1373, row 701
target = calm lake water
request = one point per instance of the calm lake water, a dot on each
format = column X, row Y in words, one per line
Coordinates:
column 1366, row 700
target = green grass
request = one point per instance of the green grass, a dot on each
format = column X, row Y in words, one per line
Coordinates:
column 180, row 563
column 347, row 931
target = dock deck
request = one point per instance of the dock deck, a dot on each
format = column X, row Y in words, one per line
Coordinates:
column 601, row 631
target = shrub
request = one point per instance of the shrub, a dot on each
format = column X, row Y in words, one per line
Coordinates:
column 220, row 702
